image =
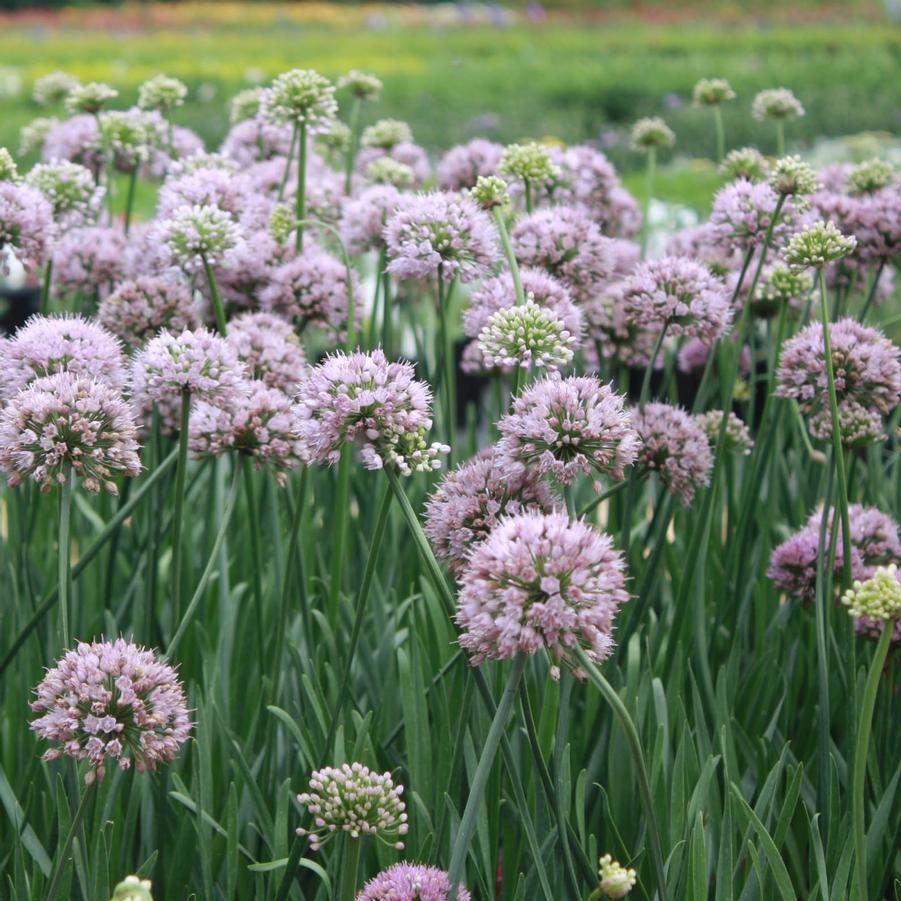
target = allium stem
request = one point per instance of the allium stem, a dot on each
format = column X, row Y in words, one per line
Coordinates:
column 65, row 570
column 780, row 138
column 130, row 197
column 648, row 194
column 293, row 561
column 720, row 133
column 301, row 199
column 387, row 313
column 510, row 256
column 44, row 306
column 353, row 146
column 180, row 475
column 284, row 181
column 641, row 771
column 256, row 554
column 446, row 360
column 871, row 294
column 649, row 369
column 339, row 531
column 59, row 869
column 861, row 749
column 218, row 309
column 528, row 190
column 592, row 505
column 480, row 779
column 347, row 887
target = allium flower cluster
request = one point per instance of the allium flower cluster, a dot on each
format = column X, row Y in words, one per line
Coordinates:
column 386, row 134
column 353, row 799
column 363, row 218
column 387, row 171
column 567, row 427
column 651, row 133
column 411, row 882
column 53, row 88
column 26, row 225
column 779, row 104
column 67, row 422
column 540, row 580
column 779, row 285
column 76, row 139
column 747, row 163
column 679, row 294
column 131, row 888
column 112, row 701
column 471, row 500
column 737, row 437
column 490, row 191
column 870, row 176
column 616, row 881
column 867, row 369
column 791, row 175
column 195, row 235
column 712, row 92
column 816, row 245
column 46, row 345
column 269, row 349
column 8, row 169
column 300, row 95
column 525, row 335
column 138, row 309
column 89, row 98
column 362, row 85
column 440, row 233
column 131, row 136
column 363, row 398
column 408, row 154
column 529, row 162
column 162, row 93
column 674, row 446
column 245, row 105
column 463, row 165
column 88, row 260
column 71, row 191
column 743, row 212
column 206, row 187
column 33, row 134
column 878, row 598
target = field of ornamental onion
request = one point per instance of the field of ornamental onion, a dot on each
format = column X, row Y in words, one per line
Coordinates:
column 377, row 525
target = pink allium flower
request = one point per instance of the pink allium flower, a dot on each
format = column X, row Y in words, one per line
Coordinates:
column 112, row 701
column 694, row 354
column 194, row 234
column 462, row 165
column 68, row 422
column 254, row 140
column 75, row 139
column 704, row 244
column 410, row 882
column 26, row 225
column 405, row 152
column 88, row 260
column 138, row 309
column 363, row 218
column 248, row 269
column 568, row 245
column 742, row 213
column 269, row 349
column 878, row 230
column 259, row 422
column 365, row 399
column 737, row 438
column 540, row 580
column 471, row 499
column 440, row 232
column 353, row 799
column 226, row 191
column 311, row 289
column 867, row 368
column 185, row 143
column 569, row 426
column 627, row 255
column 679, row 294
column 49, row 344
column 611, row 333
column 674, row 446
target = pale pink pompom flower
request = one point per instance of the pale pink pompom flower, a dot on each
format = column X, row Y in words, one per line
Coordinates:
column 410, row 882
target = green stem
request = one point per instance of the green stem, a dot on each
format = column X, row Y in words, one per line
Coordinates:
column 284, row 181
column 256, row 554
column 480, row 779
column 130, row 197
column 780, row 139
column 528, row 190
column 65, row 570
column 871, row 294
column 592, row 505
column 353, row 146
column 861, row 749
column 648, row 194
column 301, row 199
column 641, row 771
column 180, row 475
column 218, row 309
column 510, row 256
column 339, row 532
column 720, row 134
column 45, row 287
column 387, row 311
column 446, row 359
column 348, row 885
column 56, row 879
column 293, row 561
column 649, row 369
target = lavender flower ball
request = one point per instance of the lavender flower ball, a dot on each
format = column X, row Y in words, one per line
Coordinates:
column 46, row 345
column 195, row 235
column 540, row 580
column 137, row 310
column 568, row 245
column 363, row 218
column 89, row 261
column 112, row 701
column 363, row 398
column 255, row 140
column 68, row 422
column 71, row 191
column 76, row 139
column 206, row 187
column 680, row 295
column 406, row 153
column 742, row 213
column 674, row 446
column 26, row 226
column 462, row 166
column 878, row 228
column 410, row 882
column 312, row 289
column 471, row 500
column 269, row 349
column 566, row 427
column 440, row 233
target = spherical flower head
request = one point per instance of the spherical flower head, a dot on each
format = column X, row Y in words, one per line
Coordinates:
column 871, row 176
column 791, row 175
column 282, row 222
column 245, row 105
column 46, row 345
column 737, row 437
column 461, row 166
column 68, row 423
column 334, row 140
column 33, row 135
column 76, row 139
column 112, row 701
column 8, row 169
column 269, row 348
column 674, row 446
column 471, row 500
column 712, row 92
column 529, row 162
column 777, row 104
column 312, row 290
column 779, row 285
column 193, row 235
column 567, row 427
column 139, row 309
column 747, row 163
column 616, row 880
column 363, row 398
column 132, row 888
column 878, row 599
column 816, row 245
column 490, row 191
column 199, row 362
column 131, row 136
column 26, row 225
column 540, row 580
column 208, row 186
column 89, row 98
column 680, row 294
column 362, row 85
column 88, row 260
column 651, row 133
column 386, row 134
column 353, row 799
column 525, row 335
column 742, row 213
column 411, row 882
column 409, row 154
column 71, row 191
column 53, row 88
column 387, row 171
column 568, row 245
column 363, row 218
column 299, row 96
column 162, row 93
column 440, row 233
